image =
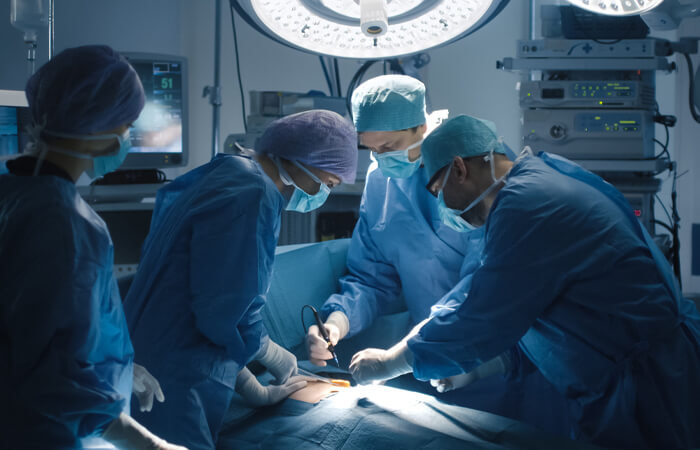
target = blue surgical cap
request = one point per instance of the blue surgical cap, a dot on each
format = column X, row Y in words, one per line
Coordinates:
column 464, row 136
column 318, row 138
column 389, row 103
column 85, row 90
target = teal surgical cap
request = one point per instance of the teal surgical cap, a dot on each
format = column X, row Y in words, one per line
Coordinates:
column 464, row 136
column 388, row 103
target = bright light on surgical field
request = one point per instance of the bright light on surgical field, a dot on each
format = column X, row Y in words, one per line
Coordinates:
column 367, row 29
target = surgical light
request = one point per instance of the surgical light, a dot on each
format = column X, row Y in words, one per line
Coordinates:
column 657, row 14
column 367, row 29
column 617, row 7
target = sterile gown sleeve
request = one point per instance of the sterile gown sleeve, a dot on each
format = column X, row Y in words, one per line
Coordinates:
column 69, row 366
column 372, row 287
column 231, row 261
column 527, row 258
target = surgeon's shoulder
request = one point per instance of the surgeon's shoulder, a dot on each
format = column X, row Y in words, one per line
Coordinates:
column 528, row 185
column 247, row 185
column 74, row 222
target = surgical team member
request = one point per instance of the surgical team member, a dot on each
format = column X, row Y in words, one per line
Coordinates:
column 194, row 306
column 571, row 276
column 402, row 255
column 67, row 360
column 399, row 236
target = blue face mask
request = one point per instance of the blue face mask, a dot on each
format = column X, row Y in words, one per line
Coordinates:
column 453, row 217
column 396, row 163
column 301, row 201
column 103, row 164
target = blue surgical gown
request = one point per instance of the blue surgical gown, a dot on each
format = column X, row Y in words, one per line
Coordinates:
column 568, row 274
column 194, row 306
column 402, row 256
column 67, row 359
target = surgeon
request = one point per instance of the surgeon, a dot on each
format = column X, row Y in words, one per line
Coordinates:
column 571, row 277
column 402, row 256
column 399, row 237
column 194, row 306
column 67, row 361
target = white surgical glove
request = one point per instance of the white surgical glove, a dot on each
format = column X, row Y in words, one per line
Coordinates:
column 280, row 362
column 126, row 433
column 373, row 364
column 258, row 395
column 145, row 388
column 337, row 326
column 495, row 366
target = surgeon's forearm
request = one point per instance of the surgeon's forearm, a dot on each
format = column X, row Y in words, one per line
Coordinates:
column 414, row 331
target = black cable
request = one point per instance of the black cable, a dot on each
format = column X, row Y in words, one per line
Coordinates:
column 665, row 225
column 354, row 82
column 303, row 324
column 676, row 227
column 325, row 74
column 238, row 71
column 691, row 90
column 658, row 199
column 337, row 77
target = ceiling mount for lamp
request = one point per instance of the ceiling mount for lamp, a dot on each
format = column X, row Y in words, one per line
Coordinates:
column 367, row 29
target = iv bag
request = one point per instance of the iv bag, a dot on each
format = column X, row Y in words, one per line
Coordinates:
column 29, row 16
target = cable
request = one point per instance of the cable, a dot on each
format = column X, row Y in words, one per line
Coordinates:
column 676, row 226
column 337, row 77
column 691, row 91
column 354, row 82
column 325, row 74
column 658, row 199
column 665, row 225
column 238, row 71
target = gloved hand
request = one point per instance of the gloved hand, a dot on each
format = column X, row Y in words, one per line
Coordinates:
column 126, row 433
column 496, row 366
column 337, row 327
column 258, row 395
column 281, row 363
column 145, row 388
column 373, row 364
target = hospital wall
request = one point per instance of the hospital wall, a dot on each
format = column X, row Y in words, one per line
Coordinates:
column 461, row 77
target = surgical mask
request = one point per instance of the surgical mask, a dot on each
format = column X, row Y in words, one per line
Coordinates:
column 103, row 164
column 396, row 162
column 453, row 217
column 301, row 201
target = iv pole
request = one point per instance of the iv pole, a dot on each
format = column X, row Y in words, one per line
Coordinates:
column 214, row 92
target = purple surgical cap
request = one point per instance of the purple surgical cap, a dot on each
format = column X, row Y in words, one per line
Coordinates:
column 85, row 90
column 318, row 138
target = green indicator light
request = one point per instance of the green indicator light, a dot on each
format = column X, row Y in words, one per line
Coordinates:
column 628, row 122
column 597, row 117
column 622, row 88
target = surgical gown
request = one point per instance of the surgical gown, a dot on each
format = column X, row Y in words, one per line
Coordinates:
column 568, row 274
column 402, row 256
column 67, row 359
column 194, row 306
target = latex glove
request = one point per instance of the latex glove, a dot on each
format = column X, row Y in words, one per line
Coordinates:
column 258, row 395
column 495, row 366
column 280, row 362
column 373, row 364
column 337, row 326
column 126, row 433
column 145, row 388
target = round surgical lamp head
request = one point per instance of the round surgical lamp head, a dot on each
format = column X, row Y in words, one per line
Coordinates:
column 659, row 15
column 617, row 7
column 367, row 29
